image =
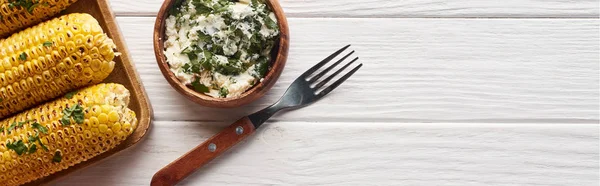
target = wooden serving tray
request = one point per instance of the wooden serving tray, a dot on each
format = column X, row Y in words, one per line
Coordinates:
column 123, row 73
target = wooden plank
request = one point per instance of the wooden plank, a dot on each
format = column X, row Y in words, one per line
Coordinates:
column 405, row 8
column 313, row 153
column 431, row 70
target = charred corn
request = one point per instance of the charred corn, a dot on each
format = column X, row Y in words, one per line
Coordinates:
column 59, row 134
column 19, row 14
column 51, row 59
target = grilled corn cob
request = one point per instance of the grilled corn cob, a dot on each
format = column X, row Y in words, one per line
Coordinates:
column 51, row 59
column 64, row 132
column 19, row 14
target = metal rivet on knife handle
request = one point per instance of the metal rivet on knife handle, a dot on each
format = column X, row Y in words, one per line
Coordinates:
column 212, row 147
column 239, row 130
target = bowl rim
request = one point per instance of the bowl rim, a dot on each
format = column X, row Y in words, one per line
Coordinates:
column 255, row 92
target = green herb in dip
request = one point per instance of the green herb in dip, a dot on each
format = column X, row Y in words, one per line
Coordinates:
column 220, row 47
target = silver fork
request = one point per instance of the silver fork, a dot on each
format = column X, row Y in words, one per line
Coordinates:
column 306, row 89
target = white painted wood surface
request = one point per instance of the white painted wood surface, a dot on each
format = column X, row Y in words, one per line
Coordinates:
column 405, row 8
column 453, row 92
column 367, row 153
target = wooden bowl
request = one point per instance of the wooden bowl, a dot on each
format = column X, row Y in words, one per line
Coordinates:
column 278, row 59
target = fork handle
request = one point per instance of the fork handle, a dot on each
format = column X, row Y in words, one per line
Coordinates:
column 203, row 153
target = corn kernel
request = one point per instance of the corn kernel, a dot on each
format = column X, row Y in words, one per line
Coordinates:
column 96, row 110
column 86, row 123
column 107, row 67
column 94, row 122
column 96, row 65
column 122, row 134
column 106, row 108
column 109, row 132
column 113, row 116
column 44, row 140
column 116, row 126
column 6, row 156
column 87, row 134
column 102, row 128
column 98, row 98
column 95, row 131
column 103, row 118
column 126, row 125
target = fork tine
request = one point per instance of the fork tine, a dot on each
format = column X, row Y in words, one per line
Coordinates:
column 320, row 64
column 320, row 84
column 339, row 81
column 316, row 77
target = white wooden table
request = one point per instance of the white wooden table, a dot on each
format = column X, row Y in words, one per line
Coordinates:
column 453, row 92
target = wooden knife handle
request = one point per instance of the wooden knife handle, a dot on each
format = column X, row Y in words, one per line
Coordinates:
column 204, row 153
